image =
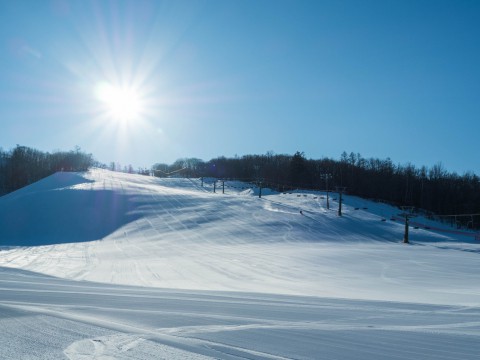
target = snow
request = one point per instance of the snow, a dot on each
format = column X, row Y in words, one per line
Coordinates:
column 119, row 266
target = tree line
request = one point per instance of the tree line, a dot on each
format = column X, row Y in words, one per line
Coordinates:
column 23, row 165
column 429, row 189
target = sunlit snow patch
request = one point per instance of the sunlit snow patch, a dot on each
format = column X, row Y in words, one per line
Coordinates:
column 124, row 346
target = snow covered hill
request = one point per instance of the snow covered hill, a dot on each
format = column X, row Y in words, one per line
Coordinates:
column 174, row 233
column 225, row 276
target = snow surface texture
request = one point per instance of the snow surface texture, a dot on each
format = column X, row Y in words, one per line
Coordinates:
column 237, row 268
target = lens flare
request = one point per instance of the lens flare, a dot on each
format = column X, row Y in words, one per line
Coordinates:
column 119, row 103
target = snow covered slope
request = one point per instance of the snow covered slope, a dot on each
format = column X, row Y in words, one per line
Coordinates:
column 173, row 233
column 50, row 318
column 225, row 276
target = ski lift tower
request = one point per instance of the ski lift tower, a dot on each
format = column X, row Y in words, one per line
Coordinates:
column 340, row 190
column 326, row 177
column 260, row 185
column 407, row 214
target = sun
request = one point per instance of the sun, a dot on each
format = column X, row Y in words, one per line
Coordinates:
column 118, row 102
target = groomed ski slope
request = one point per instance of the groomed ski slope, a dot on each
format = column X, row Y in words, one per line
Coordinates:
column 176, row 271
column 173, row 233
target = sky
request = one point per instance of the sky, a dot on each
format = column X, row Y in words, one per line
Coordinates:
column 144, row 82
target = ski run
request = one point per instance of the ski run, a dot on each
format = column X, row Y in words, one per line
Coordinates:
column 106, row 265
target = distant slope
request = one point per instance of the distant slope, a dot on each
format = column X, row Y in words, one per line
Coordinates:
column 77, row 207
column 173, row 233
column 64, row 207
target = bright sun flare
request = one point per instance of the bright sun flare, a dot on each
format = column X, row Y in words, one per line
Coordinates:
column 123, row 104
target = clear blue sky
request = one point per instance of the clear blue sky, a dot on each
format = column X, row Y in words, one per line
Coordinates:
column 398, row 79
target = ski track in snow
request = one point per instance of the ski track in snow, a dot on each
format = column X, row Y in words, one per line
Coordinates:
column 183, row 273
column 122, row 322
column 51, row 318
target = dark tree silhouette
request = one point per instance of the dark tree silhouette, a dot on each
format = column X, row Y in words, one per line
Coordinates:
column 23, row 165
